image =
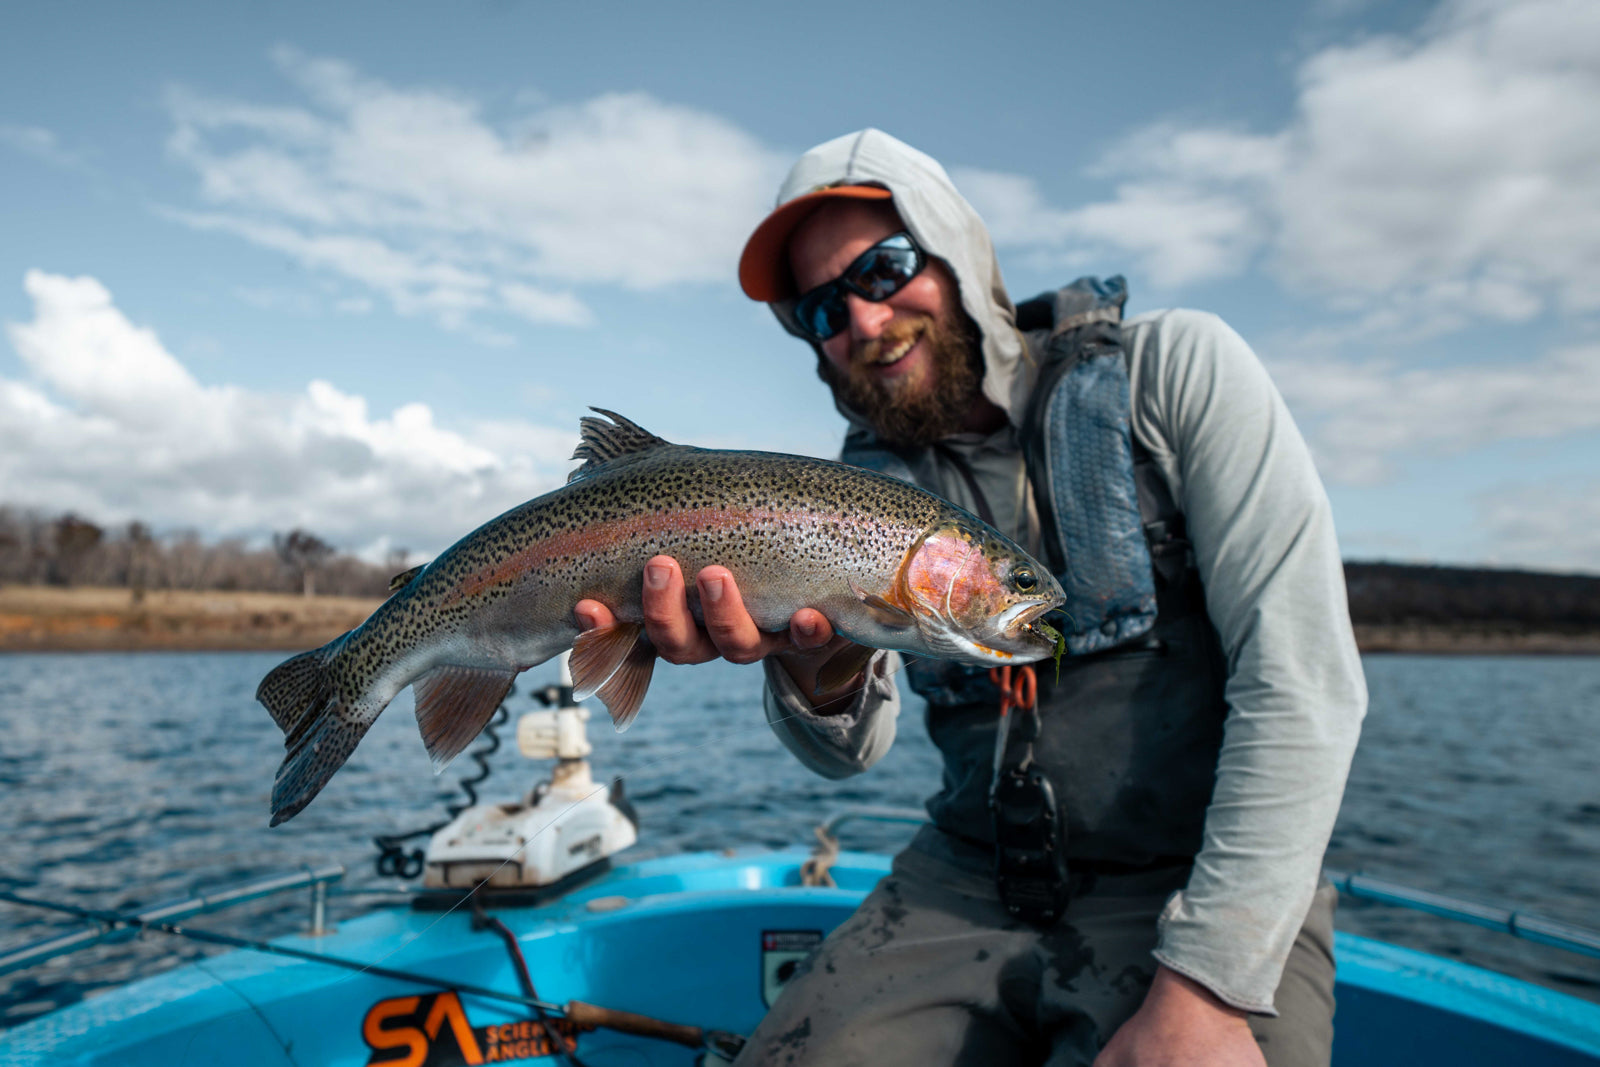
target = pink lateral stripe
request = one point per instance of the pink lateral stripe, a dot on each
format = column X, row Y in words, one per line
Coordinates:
column 597, row 535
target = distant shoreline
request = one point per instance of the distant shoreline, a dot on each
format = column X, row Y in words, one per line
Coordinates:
column 54, row 619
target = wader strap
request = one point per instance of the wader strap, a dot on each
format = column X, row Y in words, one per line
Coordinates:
column 1029, row 836
column 964, row 468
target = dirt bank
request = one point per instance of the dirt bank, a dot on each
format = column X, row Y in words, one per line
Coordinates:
column 50, row 619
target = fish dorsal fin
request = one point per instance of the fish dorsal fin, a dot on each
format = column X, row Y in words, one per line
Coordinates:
column 403, row 579
column 600, row 442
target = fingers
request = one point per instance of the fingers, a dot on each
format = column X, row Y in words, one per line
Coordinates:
column 809, row 629
column 667, row 621
column 728, row 623
column 592, row 615
column 728, row 631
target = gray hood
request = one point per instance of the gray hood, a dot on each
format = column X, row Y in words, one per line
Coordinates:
column 946, row 226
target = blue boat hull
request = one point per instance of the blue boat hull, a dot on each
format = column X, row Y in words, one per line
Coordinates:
column 678, row 938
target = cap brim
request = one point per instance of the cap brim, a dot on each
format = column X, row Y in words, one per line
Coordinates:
column 764, row 267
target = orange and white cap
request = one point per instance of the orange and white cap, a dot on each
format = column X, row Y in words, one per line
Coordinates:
column 764, row 266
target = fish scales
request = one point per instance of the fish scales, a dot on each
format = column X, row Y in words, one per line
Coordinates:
column 794, row 531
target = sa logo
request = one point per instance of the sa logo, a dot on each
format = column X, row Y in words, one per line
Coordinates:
column 434, row 1031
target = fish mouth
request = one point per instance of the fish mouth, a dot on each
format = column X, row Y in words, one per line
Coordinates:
column 1018, row 621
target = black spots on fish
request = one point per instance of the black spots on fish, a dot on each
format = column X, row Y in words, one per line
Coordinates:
column 982, row 955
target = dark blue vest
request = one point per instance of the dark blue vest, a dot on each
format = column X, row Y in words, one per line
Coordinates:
column 1132, row 729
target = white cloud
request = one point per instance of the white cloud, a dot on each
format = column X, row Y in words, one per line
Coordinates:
column 41, row 144
column 1458, row 167
column 1552, row 525
column 444, row 211
column 1361, row 416
column 111, row 424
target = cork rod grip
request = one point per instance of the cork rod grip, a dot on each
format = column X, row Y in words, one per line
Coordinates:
column 588, row 1015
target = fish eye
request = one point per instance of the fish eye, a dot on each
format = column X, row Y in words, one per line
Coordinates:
column 1024, row 578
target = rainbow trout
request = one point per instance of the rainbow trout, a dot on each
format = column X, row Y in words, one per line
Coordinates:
column 890, row 565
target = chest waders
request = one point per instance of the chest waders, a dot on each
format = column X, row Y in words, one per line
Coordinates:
column 1112, row 769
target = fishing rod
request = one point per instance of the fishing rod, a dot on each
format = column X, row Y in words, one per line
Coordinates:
column 577, row 1012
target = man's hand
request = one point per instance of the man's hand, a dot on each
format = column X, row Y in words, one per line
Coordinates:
column 729, row 632
column 1182, row 1023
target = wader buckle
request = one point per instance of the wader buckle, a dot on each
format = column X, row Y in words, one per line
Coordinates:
column 1029, row 838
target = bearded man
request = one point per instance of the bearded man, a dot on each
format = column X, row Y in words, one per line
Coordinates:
column 1130, row 874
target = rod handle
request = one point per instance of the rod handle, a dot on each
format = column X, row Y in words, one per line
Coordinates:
column 631, row 1023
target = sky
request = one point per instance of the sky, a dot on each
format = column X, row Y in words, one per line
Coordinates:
column 360, row 268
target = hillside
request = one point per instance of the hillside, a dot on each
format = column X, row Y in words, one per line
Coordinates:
column 1395, row 608
column 1400, row 607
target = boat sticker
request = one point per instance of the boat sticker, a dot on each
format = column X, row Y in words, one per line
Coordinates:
column 432, row 1030
column 781, row 954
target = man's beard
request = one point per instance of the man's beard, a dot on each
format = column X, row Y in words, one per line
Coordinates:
column 917, row 417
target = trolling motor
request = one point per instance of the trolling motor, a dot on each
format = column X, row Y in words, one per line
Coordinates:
column 562, row 833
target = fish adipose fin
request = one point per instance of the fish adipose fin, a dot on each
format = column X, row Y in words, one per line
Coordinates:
column 403, row 579
column 320, row 731
column 600, row 442
column 454, row 704
column 615, row 663
column 842, row 667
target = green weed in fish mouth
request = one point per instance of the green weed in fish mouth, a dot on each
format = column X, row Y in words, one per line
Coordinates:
column 1044, row 629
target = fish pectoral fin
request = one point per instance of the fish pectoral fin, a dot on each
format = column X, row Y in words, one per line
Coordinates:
column 453, row 706
column 883, row 611
column 624, row 691
column 842, row 668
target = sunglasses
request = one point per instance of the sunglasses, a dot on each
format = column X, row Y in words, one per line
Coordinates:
column 876, row 275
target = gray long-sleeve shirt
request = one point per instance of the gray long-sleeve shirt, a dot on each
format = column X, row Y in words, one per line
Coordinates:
column 1263, row 538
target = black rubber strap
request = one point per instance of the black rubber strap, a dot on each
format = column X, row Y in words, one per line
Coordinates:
column 965, row 470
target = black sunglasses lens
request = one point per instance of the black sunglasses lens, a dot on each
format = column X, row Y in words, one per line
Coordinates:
column 882, row 271
column 822, row 312
column 885, row 273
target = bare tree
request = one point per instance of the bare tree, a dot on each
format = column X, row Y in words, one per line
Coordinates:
column 303, row 552
column 75, row 543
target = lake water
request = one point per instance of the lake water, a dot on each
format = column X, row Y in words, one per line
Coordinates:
column 133, row 778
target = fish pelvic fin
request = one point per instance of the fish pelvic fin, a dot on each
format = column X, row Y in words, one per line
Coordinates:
column 623, row 693
column 842, row 668
column 600, row 442
column 453, row 706
column 615, row 663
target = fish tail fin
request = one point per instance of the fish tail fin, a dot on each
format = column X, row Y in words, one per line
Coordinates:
column 298, row 684
column 320, row 728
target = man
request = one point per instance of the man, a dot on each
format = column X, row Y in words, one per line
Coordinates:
column 1188, row 765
